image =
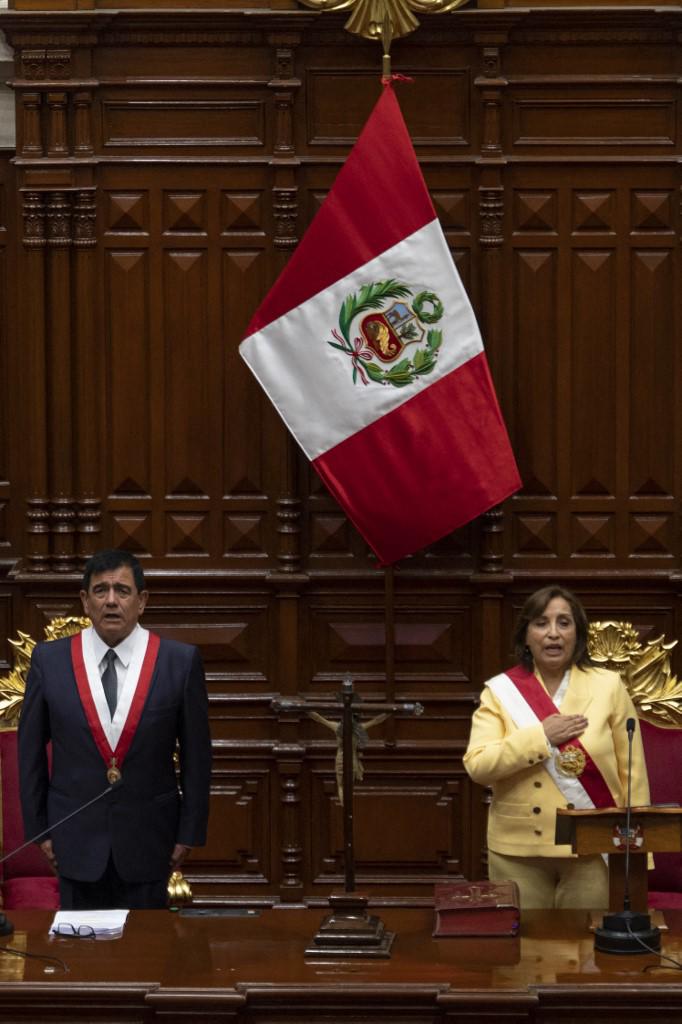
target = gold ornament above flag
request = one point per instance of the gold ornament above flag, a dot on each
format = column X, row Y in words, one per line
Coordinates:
column 368, row 16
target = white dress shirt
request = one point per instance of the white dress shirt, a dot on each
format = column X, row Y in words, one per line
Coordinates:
column 129, row 657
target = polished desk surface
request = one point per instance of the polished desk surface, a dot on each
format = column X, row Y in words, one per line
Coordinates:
column 268, row 947
column 165, row 957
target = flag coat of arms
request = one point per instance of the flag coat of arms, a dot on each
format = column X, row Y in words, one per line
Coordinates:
column 368, row 346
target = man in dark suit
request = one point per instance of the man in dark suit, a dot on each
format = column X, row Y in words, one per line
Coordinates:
column 114, row 720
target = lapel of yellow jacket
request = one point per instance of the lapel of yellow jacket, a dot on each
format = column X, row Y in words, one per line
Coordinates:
column 579, row 694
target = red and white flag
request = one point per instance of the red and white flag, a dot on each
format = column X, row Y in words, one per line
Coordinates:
column 369, row 349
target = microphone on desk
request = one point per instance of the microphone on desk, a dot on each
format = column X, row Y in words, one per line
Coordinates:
column 6, row 926
column 627, row 931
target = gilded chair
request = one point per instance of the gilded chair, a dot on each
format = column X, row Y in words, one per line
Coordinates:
column 26, row 880
column 657, row 696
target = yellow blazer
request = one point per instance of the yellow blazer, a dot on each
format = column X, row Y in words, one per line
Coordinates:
column 509, row 759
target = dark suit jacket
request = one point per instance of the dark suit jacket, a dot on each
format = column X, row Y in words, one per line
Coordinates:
column 142, row 818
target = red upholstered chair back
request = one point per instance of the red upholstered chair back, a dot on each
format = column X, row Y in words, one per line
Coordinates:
column 663, row 752
column 657, row 696
column 27, row 880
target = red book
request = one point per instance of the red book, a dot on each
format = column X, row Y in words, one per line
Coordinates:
column 476, row 908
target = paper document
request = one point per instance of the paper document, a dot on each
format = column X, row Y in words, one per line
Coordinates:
column 84, row 924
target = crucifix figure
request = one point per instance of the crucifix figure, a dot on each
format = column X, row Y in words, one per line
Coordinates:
column 348, row 930
column 360, row 739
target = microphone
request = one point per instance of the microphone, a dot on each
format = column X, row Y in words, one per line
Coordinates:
column 630, row 726
column 628, row 931
column 6, row 926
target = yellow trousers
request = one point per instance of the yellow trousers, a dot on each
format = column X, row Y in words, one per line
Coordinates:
column 574, row 883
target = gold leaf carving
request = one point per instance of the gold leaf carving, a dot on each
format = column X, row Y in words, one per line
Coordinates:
column 613, row 644
column 67, row 626
column 645, row 670
column 11, row 698
column 368, row 16
column 12, row 687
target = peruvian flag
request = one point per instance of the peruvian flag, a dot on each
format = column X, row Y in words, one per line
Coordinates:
column 369, row 349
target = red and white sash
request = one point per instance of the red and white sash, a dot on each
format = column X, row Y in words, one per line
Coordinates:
column 113, row 758
column 527, row 703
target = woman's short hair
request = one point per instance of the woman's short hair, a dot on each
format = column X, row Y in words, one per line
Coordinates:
column 533, row 609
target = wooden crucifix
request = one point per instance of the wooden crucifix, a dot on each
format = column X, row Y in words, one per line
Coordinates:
column 349, row 930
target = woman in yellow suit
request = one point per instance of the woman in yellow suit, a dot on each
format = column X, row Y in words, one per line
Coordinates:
column 552, row 732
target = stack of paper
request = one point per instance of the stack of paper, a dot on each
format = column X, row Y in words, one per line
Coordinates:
column 99, row 924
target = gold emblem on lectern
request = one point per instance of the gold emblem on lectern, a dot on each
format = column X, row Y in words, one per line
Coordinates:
column 571, row 761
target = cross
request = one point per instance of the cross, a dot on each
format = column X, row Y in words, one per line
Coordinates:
column 349, row 706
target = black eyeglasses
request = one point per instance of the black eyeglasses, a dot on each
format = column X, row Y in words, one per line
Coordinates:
column 83, row 931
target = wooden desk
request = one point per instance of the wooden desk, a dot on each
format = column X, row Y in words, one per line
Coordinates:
column 251, row 969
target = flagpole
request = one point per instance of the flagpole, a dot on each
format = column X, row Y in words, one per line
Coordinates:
column 389, row 575
column 386, row 40
column 389, row 647
column 389, row 612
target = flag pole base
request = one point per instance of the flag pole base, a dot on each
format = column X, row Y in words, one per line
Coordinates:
column 350, row 932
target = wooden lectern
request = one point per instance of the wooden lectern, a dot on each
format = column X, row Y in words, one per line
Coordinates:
column 652, row 830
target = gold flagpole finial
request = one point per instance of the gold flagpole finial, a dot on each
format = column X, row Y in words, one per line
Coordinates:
column 386, row 40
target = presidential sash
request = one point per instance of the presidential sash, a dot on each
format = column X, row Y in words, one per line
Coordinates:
column 571, row 767
column 113, row 759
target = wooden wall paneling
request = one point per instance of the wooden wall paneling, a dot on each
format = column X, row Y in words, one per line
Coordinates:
column 88, row 385
column 187, row 401
column 207, row 233
column 490, row 84
column 7, row 405
column 587, row 302
column 250, row 426
column 288, row 833
column 59, row 368
column 215, row 204
column 284, row 163
column 422, row 800
column 127, row 414
column 412, row 756
column 31, row 331
column 592, row 381
column 347, row 635
column 231, row 628
column 49, row 66
column 250, row 458
column 235, row 864
column 5, row 624
column 654, row 363
column 289, row 807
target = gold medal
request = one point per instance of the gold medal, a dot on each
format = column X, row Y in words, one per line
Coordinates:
column 571, row 761
column 113, row 773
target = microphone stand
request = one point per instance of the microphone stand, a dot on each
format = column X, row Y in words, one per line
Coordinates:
column 627, row 931
column 6, row 926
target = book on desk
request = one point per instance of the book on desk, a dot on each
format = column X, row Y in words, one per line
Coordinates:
column 476, row 909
